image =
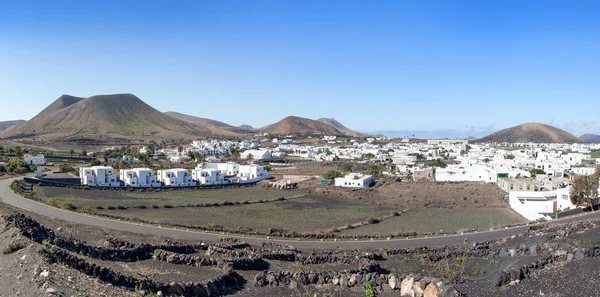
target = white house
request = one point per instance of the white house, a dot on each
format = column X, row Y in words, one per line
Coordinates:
column 252, row 172
column 533, row 205
column 354, row 180
column 175, row 177
column 138, row 177
column 208, row 176
column 583, row 170
column 256, row 154
column 229, row 168
column 34, row 160
column 98, row 176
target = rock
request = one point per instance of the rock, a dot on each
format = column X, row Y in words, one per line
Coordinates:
column 343, row 281
column 417, row 289
column 293, row 284
column 336, row 280
column 45, row 273
column 424, row 282
column 431, row 291
column 175, row 288
column 393, row 282
column 386, row 288
column 352, row 280
column 500, row 278
column 406, row 287
column 37, row 270
column 159, row 294
column 512, row 253
column 570, row 257
column 50, row 290
column 450, row 291
column 578, row 255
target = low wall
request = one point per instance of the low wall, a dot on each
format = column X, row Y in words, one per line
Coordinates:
column 57, row 183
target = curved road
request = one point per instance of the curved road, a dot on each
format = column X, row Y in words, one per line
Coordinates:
column 15, row 200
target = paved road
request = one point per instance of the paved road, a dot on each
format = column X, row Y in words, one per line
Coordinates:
column 10, row 198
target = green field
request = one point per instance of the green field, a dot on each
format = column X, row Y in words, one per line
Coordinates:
column 301, row 214
column 434, row 220
column 93, row 198
column 596, row 155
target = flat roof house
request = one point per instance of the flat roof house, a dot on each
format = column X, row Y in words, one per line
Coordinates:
column 208, row 176
column 98, row 176
column 139, row 177
column 354, row 180
column 175, row 177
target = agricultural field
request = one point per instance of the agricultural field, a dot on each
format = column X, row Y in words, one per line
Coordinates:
column 94, row 198
column 596, row 155
column 434, row 220
column 315, row 169
column 299, row 214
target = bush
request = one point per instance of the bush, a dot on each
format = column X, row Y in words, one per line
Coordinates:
column 167, row 206
column 100, row 207
column 15, row 245
column 141, row 206
column 395, row 214
column 154, row 206
column 110, row 207
column 69, row 206
column 332, row 174
column 51, row 202
column 373, row 221
column 121, row 207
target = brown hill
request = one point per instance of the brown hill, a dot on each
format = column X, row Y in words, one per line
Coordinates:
column 215, row 127
column 531, row 132
column 336, row 124
column 297, row 125
column 104, row 117
column 6, row 125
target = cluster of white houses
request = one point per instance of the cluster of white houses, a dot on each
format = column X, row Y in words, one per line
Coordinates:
column 209, row 174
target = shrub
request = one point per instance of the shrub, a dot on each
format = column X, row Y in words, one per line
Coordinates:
column 100, row 207
column 167, row 206
column 15, row 245
column 110, row 207
column 332, row 174
column 121, row 207
column 335, row 230
column 69, row 206
column 51, row 202
column 140, row 206
column 395, row 214
column 373, row 221
column 154, row 206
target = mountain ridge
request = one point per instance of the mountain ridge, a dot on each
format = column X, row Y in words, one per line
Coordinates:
column 531, row 132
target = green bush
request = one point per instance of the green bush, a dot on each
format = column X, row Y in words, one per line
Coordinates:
column 69, row 206
column 332, row 174
column 51, row 202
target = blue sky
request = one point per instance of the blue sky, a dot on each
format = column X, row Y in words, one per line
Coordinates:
column 373, row 65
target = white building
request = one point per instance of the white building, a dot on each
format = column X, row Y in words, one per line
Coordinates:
column 98, row 176
column 229, row 168
column 208, row 176
column 256, row 154
column 34, row 160
column 354, row 180
column 540, row 205
column 138, row 177
column 175, row 177
column 252, row 173
column 583, row 170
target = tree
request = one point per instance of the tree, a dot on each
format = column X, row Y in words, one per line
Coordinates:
column 83, row 153
column 509, row 157
column 332, row 175
column 585, row 189
column 95, row 163
column 71, row 152
column 534, row 172
column 17, row 165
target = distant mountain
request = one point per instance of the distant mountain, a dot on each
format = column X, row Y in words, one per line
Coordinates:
column 333, row 122
column 531, row 132
column 104, row 117
column 471, row 138
column 247, row 127
column 215, row 127
column 6, row 125
column 590, row 138
column 296, row 125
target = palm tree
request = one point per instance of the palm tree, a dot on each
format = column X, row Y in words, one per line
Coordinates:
column 71, row 152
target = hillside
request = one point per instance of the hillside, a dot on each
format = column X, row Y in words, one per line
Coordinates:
column 333, row 122
column 10, row 125
column 215, row 127
column 247, row 127
column 104, row 117
column 296, row 125
column 531, row 132
column 590, row 138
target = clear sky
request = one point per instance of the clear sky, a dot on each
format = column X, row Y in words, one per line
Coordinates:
column 373, row 65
